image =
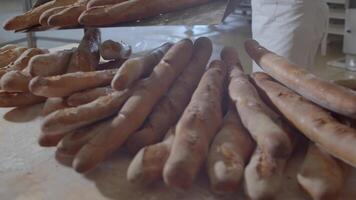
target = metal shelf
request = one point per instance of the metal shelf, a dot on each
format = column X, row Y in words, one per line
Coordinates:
column 336, row 1
column 336, row 29
column 337, row 13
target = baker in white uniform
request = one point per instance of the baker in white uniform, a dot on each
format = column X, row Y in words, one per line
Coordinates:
column 291, row 28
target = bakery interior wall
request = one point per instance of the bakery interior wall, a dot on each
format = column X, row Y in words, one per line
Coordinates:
column 233, row 32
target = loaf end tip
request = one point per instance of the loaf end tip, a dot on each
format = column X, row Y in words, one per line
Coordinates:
column 80, row 166
column 177, row 177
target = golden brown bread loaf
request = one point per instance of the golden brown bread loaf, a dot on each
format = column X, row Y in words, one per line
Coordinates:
column 15, row 81
column 19, row 99
column 322, row 92
column 22, row 61
column 229, row 153
column 68, row 17
column 32, row 17
column 112, row 64
column 48, row 13
column 269, row 135
column 10, row 55
column 111, row 50
column 321, row 175
column 70, row 83
column 73, row 141
column 314, row 122
column 94, row 3
column 69, row 119
column 45, row 140
column 145, row 95
column 28, row 19
column 132, row 10
column 196, row 128
column 264, row 176
column 7, row 47
column 53, row 104
column 50, row 64
column 135, row 68
column 167, row 112
column 147, row 165
column 86, row 57
column 89, row 95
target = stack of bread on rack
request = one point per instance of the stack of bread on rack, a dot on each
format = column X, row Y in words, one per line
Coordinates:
column 74, row 13
column 178, row 115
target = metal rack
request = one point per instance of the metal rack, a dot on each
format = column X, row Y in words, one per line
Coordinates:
column 188, row 17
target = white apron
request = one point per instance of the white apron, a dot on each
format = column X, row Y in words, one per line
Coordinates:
column 290, row 28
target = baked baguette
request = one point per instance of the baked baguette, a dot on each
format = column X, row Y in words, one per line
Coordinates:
column 264, row 173
column 46, row 140
column 15, row 99
column 31, row 18
column 7, row 47
column 167, row 112
column 147, row 165
column 86, row 57
column 314, row 122
column 28, row 19
column 73, row 141
column 70, row 83
column 10, row 55
column 69, row 16
column 69, row 119
column 324, row 93
column 95, row 3
column 321, row 175
column 53, row 104
column 136, row 68
column 229, row 153
column 48, row 13
column 134, row 112
column 50, row 64
column 345, row 120
column 196, row 128
column 133, row 10
column 15, row 81
column 269, row 135
column 111, row 50
column 22, row 61
column 264, row 176
column 112, row 64
column 88, row 96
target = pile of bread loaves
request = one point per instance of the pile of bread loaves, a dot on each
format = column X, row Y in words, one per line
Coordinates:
column 176, row 115
column 72, row 13
column 27, row 73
